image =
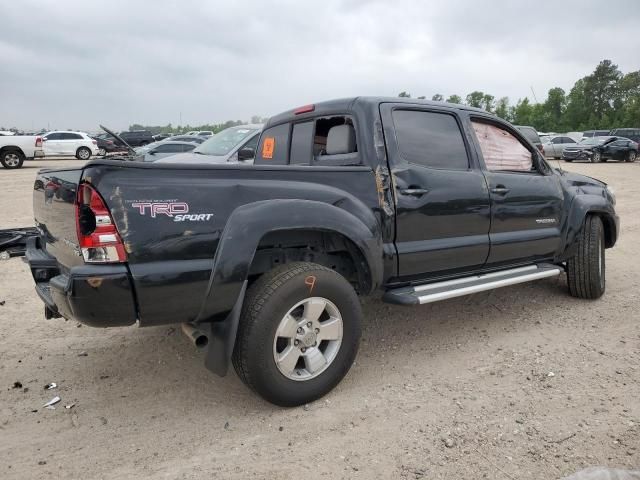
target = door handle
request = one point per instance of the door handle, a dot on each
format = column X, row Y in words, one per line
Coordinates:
column 500, row 190
column 415, row 192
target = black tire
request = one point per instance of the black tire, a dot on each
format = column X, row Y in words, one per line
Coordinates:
column 11, row 158
column 83, row 153
column 568, row 160
column 631, row 156
column 596, row 157
column 586, row 269
column 265, row 305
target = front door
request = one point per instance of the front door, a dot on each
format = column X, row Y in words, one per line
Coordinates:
column 526, row 197
column 442, row 202
column 52, row 144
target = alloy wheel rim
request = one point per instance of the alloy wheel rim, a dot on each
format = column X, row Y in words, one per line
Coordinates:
column 12, row 160
column 83, row 154
column 308, row 339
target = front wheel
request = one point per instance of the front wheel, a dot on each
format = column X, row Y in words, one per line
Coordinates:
column 586, row 269
column 83, row 153
column 596, row 157
column 12, row 159
column 102, row 152
column 299, row 333
column 631, row 157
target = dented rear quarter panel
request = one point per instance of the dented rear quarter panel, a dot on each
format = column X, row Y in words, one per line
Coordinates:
column 172, row 262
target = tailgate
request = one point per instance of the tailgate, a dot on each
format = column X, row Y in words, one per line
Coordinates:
column 54, row 194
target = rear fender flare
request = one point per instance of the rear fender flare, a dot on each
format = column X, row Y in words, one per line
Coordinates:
column 238, row 243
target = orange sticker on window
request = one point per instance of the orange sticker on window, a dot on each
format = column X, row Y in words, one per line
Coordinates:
column 268, row 146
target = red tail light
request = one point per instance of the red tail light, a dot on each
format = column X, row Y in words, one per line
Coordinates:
column 38, row 141
column 95, row 142
column 98, row 236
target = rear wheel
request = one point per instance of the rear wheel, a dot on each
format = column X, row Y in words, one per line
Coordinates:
column 596, row 157
column 298, row 334
column 568, row 160
column 586, row 269
column 83, row 153
column 631, row 157
column 11, row 158
column 102, row 152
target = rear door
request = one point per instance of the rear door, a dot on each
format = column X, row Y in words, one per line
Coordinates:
column 442, row 202
column 69, row 143
column 526, row 197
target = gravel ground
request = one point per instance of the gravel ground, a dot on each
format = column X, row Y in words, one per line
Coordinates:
column 523, row 382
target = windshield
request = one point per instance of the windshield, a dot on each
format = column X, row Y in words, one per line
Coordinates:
column 225, row 141
column 593, row 140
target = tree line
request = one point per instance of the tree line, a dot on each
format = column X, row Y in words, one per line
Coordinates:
column 180, row 129
column 605, row 99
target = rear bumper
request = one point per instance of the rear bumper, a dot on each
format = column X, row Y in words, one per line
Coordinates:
column 38, row 154
column 96, row 295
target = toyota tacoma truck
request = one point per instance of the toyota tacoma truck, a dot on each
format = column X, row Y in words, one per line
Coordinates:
column 264, row 264
column 15, row 149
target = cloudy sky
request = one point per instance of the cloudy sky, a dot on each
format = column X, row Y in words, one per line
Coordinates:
column 74, row 64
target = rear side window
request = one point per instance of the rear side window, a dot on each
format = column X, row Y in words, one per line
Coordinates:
column 301, row 143
column 430, row 139
column 71, row 136
column 501, row 150
column 274, row 146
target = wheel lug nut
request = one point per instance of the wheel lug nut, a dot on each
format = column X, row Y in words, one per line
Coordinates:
column 296, row 342
column 300, row 331
column 303, row 349
column 308, row 324
column 317, row 330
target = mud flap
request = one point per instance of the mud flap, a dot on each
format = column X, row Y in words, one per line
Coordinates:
column 222, row 338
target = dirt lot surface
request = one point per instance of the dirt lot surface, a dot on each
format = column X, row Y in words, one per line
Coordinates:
column 523, row 382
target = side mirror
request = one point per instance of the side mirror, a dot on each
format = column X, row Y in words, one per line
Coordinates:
column 246, row 154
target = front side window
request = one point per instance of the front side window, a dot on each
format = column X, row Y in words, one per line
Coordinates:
column 430, row 139
column 501, row 150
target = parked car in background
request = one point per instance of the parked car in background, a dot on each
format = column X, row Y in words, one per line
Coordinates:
column 65, row 143
column 577, row 136
column 234, row 144
column 205, row 133
column 158, row 150
column 108, row 144
column 137, row 138
column 15, row 149
column 192, row 132
column 601, row 149
column 531, row 134
column 595, row 133
column 630, row 133
column 160, row 136
column 554, row 146
column 188, row 138
column 7, row 133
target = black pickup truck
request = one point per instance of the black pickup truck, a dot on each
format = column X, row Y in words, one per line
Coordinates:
column 263, row 264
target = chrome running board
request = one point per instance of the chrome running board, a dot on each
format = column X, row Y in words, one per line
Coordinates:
column 434, row 292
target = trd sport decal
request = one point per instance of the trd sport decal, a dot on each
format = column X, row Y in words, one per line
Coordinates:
column 179, row 211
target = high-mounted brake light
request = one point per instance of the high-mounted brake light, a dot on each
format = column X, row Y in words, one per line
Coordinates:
column 98, row 236
column 38, row 141
column 304, row 109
